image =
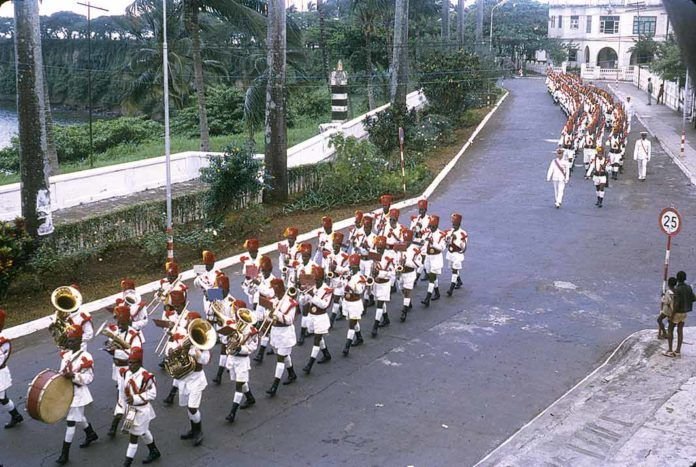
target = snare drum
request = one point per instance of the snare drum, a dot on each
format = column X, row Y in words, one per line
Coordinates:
column 49, row 397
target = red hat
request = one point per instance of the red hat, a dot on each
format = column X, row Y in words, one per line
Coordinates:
column 136, row 354
column 290, row 232
column 318, row 273
column 239, row 304
column 127, row 284
column 193, row 315
column 422, row 204
column 73, row 332
column 434, row 221
column 222, row 281
column 394, row 213
column 251, row 244
column 208, row 257
column 456, row 218
column 278, row 287
column 122, row 313
column 326, row 222
column 305, row 248
column 407, row 235
column 385, row 200
column 2, row 318
column 358, row 216
column 381, row 241
column 354, row 260
column 171, row 268
column 266, row 264
column 338, row 238
column 177, row 297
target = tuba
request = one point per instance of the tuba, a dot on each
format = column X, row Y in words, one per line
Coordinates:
column 65, row 300
column 238, row 337
column 201, row 335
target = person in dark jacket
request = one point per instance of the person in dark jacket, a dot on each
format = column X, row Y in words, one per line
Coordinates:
column 683, row 304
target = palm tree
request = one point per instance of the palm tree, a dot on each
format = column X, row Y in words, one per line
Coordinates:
column 367, row 13
column 399, row 65
column 276, row 157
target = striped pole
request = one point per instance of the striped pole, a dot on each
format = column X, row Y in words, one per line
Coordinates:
column 170, row 244
column 339, row 94
column 664, row 277
column 403, row 164
column 683, row 142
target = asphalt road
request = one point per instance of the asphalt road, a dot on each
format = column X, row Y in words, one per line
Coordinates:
column 547, row 293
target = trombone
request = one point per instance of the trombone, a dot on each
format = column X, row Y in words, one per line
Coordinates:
column 162, row 344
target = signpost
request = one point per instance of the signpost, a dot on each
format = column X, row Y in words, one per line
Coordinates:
column 403, row 168
column 671, row 224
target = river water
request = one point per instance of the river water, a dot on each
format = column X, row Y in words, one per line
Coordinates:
column 8, row 121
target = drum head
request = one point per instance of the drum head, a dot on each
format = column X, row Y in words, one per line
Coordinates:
column 50, row 396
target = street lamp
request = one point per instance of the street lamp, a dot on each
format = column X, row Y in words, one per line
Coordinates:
column 490, row 44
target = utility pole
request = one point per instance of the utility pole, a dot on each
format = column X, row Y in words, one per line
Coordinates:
column 167, row 148
column 686, row 95
column 89, row 72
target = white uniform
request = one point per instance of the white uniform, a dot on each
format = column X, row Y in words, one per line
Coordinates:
column 434, row 262
column 590, row 150
column 381, row 221
column 366, row 248
column 393, row 234
column 203, row 282
column 264, row 288
column 139, row 315
column 5, row 376
column 319, row 322
column 340, row 259
column 238, row 363
column 419, row 225
column 250, row 266
column 598, row 170
column 353, row 304
column 83, row 374
column 289, row 257
column 355, row 238
column 386, row 273
column 458, row 240
column 559, row 174
column 283, row 336
column 192, row 385
column 642, row 152
column 324, row 248
column 133, row 338
column 142, row 387
column 412, row 262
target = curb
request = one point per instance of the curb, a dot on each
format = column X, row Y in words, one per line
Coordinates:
column 31, row 327
column 676, row 159
column 543, row 412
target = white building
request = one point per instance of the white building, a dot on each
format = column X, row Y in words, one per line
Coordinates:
column 606, row 30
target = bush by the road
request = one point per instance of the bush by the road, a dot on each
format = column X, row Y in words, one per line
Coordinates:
column 225, row 111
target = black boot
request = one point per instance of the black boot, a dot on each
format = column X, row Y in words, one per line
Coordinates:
column 188, row 434
column 601, row 200
column 417, row 277
column 248, row 400
column 375, row 327
column 91, row 436
column 372, row 301
column 325, row 356
column 153, row 455
column 128, row 462
column 436, row 294
column 169, row 400
column 358, row 339
column 331, row 320
column 197, row 433
column 459, row 283
column 308, row 367
column 259, row 355
column 114, row 426
column 385, row 320
column 346, row 348
column 15, row 420
column 404, row 312
column 292, row 376
column 303, row 334
column 426, row 301
column 340, row 316
column 218, row 376
column 451, row 289
column 64, row 454
column 274, row 387
column 597, row 202
column 233, row 413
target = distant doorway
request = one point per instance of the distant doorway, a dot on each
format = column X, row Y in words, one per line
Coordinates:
column 587, row 55
column 607, row 58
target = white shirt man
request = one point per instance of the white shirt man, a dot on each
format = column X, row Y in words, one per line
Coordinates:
column 559, row 174
column 642, row 153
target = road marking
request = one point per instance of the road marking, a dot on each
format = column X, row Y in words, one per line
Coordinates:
column 585, row 451
column 547, row 140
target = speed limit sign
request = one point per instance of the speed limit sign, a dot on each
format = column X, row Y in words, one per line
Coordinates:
column 670, row 221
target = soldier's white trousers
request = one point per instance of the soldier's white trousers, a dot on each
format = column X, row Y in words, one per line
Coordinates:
column 559, row 189
column 642, row 168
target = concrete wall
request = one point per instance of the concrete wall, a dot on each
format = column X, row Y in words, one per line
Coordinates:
column 617, row 74
column 87, row 186
column 673, row 93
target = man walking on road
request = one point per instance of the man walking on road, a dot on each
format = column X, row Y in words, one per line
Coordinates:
column 642, row 153
column 598, row 172
column 683, row 303
column 650, row 91
column 559, row 174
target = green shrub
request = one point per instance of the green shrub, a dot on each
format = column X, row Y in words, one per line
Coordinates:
column 383, row 127
column 9, row 158
column 225, row 111
column 15, row 247
column 308, row 105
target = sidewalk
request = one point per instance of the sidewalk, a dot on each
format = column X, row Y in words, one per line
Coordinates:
column 665, row 125
column 636, row 409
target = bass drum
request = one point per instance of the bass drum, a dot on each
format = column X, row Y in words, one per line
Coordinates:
column 49, row 397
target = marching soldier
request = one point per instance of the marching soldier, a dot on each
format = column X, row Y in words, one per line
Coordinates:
column 434, row 244
column 381, row 218
column 82, row 319
column 137, row 391
column 320, row 299
column 568, row 148
column 384, row 270
column 227, row 309
column 263, row 287
column 559, row 174
column 283, row 337
column 172, row 290
column 356, row 233
column 324, row 238
column 616, row 150
column 305, row 267
column 175, row 304
column 365, row 262
column 77, row 365
column 590, row 150
column 138, row 307
column 251, row 263
column 411, row 261
column 6, row 378
column 288, row 257
column 353, row 306
column 457, row 241
column 336, row 267
column 206, row 280
column 642, row 152
column 238, row 362
column 419, row 226
column 392, row 232
column 598, row 172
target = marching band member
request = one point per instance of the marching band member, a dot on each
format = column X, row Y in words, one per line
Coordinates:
column 381, row 218
column 227, row 309
column 318, row 324
column 138, row 307
column 125, row 337
column 392, row 232
column 365, row 261
column 590, row 150
column 6, row 378
column 356, row 233
column 384, row 269
column 83, row 319
column 353, row 306
column 206, row 281
column 411, row 261
column 568, row 148
column 177, row 335
column 598, row 172
column 78, row 366
column 239, row 365
column 419, row 225
column 434, row 244
column 264, row 287
column 306, row 267
column 457, row 241
column 288, row 257
column 324, row 238
column 137, row 391
column 336, row 264
column 283, row 337
column 616, row 151
column 172, row 289
column 250, row 268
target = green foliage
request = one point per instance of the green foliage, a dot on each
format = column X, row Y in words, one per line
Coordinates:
column 668, row 61
column 383, row 127
column 225, row 106
column 15, row 247
column 9, row 157
column 644, row 49
column 451, row 81
column 231, row 178
column 308, row 104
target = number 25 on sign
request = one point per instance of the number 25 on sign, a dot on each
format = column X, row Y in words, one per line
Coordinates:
column 671, row 224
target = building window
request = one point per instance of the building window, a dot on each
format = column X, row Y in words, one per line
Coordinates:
column 573, row 54
column 574, row 22
column 553, row 21
column 609, row 24
column 644, row 25
column 560, row 21
column 588, row 25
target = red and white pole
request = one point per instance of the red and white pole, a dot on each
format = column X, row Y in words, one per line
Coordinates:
column 683, row 142
column 664, row 277
column 403, row 164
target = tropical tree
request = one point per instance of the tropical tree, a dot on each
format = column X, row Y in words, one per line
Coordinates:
column 668, row 63
column 644, row 49
column 367, row 15
column 399, row 66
